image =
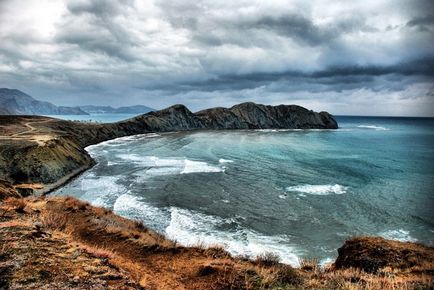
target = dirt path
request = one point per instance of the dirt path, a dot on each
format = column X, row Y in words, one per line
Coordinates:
column 31, row 128
column 32, row 134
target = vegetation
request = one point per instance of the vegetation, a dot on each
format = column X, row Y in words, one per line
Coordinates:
column 91, row 246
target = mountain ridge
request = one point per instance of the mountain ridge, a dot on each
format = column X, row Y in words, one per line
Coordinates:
column 135, row 109
column 16, row 102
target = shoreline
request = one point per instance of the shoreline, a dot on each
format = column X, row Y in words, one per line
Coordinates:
column 130, row 246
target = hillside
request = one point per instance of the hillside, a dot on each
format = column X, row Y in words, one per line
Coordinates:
column 63, row 243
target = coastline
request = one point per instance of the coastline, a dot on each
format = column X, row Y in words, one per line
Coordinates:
column 131, row 247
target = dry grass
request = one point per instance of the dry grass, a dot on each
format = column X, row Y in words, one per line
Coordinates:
column 96, row 252
column 309, row 264
column 16, row 204
column 267, row 259
column 158, row 263
column 54, row 220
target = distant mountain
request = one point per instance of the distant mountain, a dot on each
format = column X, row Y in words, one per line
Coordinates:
column 15, row 102
column 138, row 109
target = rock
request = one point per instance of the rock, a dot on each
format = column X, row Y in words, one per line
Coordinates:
column 373, row 253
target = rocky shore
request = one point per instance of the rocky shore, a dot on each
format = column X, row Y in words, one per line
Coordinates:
column 63, row 243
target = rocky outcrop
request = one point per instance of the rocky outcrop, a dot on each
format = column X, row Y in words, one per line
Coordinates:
column 373, row 253
column 242, row 116
column 255, row 116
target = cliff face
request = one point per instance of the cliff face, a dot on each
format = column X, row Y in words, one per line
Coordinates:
column 254, row 116
column 242, row 116
column 49, row 151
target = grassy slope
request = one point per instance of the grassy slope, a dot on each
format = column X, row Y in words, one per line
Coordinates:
column 63, row 243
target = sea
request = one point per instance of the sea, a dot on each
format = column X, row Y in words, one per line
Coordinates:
column 294, row 193
column 95, row 118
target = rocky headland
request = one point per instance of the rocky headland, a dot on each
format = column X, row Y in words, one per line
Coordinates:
column 47, row 151
column 62, row 243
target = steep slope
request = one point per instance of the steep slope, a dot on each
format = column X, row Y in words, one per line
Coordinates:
column 16, row 102
column 63, row 243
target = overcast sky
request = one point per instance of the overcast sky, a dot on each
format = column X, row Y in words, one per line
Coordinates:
column 364, row 57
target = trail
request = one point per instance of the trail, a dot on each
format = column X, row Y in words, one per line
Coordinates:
column 31, row 133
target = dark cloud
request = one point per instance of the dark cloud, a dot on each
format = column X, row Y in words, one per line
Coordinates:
column 100, row 8
column 424, row 23
column 206, row 53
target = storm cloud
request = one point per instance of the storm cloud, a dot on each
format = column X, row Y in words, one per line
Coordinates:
column 347, row 57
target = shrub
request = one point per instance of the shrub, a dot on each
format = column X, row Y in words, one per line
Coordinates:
column 309, row 264
column 267, row 259
column 54, row 220
column 285, row 274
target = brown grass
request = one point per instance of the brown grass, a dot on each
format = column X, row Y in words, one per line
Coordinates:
column 309, row 264
column 16, row 204
column 158, row 263
column 267, row 259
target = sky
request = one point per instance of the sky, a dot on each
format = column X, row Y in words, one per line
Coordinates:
column 359, row 57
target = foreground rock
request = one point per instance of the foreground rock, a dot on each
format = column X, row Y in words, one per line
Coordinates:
column 374, row 254
column 48, row 152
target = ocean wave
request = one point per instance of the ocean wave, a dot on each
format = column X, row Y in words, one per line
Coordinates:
column 378, row 128
column 221, row 160
column 120, row 141
column 398, row 235
column 191, row 228
column 100, row 191
column 319, row 189
column 199, row 166
column 132, row 207
column 167, row 166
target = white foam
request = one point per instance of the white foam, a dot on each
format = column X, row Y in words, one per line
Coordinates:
column 119, row 141
column 199, row 166
column 167, row 166
column 318, row 189
column 378, row 128
column 99, row 190
column 221, row 160
column 326, row 262
column 266, row 130
column 132, row 207
column 398, row 235
column 191, row 228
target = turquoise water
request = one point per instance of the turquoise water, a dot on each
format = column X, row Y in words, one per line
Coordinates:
column 100, row 118
column 296, row 193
